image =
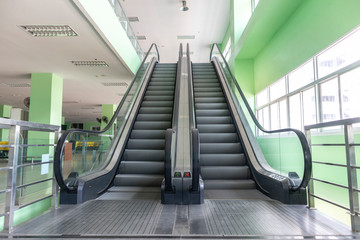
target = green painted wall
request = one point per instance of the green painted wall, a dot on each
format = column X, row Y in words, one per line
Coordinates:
column 88, row 125
column 312, row 27
column 5, row 111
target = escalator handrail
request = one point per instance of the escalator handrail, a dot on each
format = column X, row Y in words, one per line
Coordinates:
column 300, row 134
column 195, row 139
column 60, row 144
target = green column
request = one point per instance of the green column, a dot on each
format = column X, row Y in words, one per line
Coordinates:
column 45, row 107
column 5, row 111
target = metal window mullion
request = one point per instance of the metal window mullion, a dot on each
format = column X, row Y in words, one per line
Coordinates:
column 310, row 187
column 302, row 117
column 10, row 197
column 352, row 178
column 340, row 98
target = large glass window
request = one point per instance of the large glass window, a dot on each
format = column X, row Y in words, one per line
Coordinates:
column 274, row 116
column 262, row 98
column 278, row 89
column 309, row 106
column 350, row 88
column 301, row 76
column 295, row 111
column 266, row 122
column 330, row 100
column 283, row 114
column 340, row 55
column 227, row 50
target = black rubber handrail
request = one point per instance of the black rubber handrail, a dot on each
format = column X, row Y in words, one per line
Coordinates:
column 300, row 134
column 195, row 138
column 60, row 145
column 169, row 132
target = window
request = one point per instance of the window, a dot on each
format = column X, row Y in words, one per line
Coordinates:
column 266, row 123
column 278, row 89
column 274, row 116
column 301, row 76
column 262, row 98
column 295, row 111
column 309, row 106
column 350, row 92
column 283, row 114
column 330, row 100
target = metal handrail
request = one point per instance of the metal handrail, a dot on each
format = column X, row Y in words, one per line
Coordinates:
column 169, row 146
column 60, row 145
column 300, row 135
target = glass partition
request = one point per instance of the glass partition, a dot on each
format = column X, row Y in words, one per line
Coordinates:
column 82, row 152
column 280, row 151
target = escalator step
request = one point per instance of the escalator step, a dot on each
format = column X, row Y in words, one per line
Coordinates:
column 158, row 98
column 237, row 159
column 144, row 155
column 154, row 117
column 160, row 88
column 202, row 84
column 146, row 144
column 147, row 134
column 217, row 148
column 211, row 106
column 208, row 89
column 212, row 112
column 214, row 120
column 216, row 128
column 213, row 80
column 162, row 83
column 162, row 80
column 225, row 172
column 154, row 125
column 210, row 100
column 142, row 167
column 229, row 184
column 207, row 76
column 219, row 138
column 138, row 180
column 155, row 110
column 159, row 93
column 157, row 104
column 208, row 94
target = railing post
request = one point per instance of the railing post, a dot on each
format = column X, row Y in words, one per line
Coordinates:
column 310, row 188
column 11, row 178
column 352, row 179
column 55, row 186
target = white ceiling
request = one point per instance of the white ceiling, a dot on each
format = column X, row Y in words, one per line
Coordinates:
column 159, row 20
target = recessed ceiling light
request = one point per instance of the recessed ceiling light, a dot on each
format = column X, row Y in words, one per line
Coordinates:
column 186, row 37
column 49, row 30
column 184, row 7
column 70, row 102
column 90, row 63
column 17, row 84
column 115, row 84
column 133, row 19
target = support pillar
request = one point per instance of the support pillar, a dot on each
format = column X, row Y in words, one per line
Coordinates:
column 5, row 111
column 107, row 110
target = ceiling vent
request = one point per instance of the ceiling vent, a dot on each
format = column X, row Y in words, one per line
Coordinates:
column 90, row 63
column 186, row 37
column 133, row 19
column 49, row 30
column 140, row 37
column 17, row 84
column 70, row 102
column 115, row 84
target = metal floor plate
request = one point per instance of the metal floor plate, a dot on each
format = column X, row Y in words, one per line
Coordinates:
column 215, row 219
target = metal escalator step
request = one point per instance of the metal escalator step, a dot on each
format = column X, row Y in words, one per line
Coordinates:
column 235, row 159
column 146, row 144
column 141, row 167
column 203, row 84
column 156, row 110
column 165, row 71
column 210, row 100
column 154, row 117
column 159, row 98
column 229, row 184
column 201, row 80
column 147, row 125
column 225, row 172
column 147, row 134
column 138, row 180
column 216, row 128
column 218, row 148
column 212, row 112
column 162, row 83
column 211, row 106
column 157, row 104
column 160, row 88
column 219, row 138
column 144, row 155
column 159, row 93
column 209, row 76
column 134, row 189
column 208, row 94
column 207, row 89
column 160, row 75
column 214, row 120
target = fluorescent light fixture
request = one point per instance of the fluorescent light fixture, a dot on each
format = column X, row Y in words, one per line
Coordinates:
column 133, row 19
column 70, row 102
column 17, row 84
column 115, row 84
column 140, row 37
column 186, row 37
column 90, row 63
column 184, row 7
column 49, row 30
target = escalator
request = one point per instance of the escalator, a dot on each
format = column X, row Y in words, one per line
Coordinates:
column 222, row 158
column 142, row 164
